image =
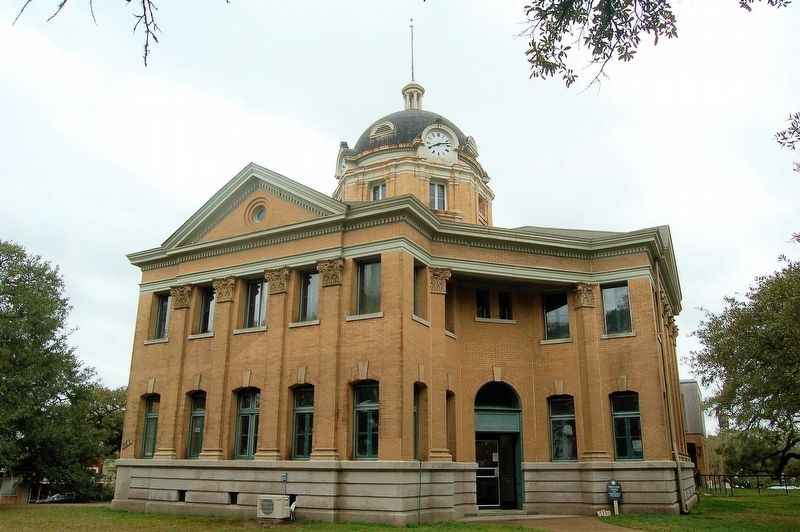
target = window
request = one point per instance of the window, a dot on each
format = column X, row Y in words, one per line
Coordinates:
column 504, row 302
column 562, row 428
column 309, row 293
column 246, row 424
column 303, row 422
column 437, row 196
column 197, row 420
column 378, row 191
column 162, row 316
column 151, row 407
column 206, row 310
column 627, row 426
column 482, row 303
column 416, row 422
column 617, row 309
column 365, row 406
column 369, row 288
column 255, row 314
column 450, row 310
column 420, row 291
column 556, row 316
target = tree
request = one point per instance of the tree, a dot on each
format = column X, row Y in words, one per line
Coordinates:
column 751, row 355
column 790, row 138
column 757, row 450
column 54, row 420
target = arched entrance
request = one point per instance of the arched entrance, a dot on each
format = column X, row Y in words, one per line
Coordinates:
column 498, row 447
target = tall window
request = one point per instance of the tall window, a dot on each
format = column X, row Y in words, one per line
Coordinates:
column 303, row 422
column 556, row 316
column 369, row 288
column 206, row 310
column 504, row 304
column 482, row 303
column 378, row 191
column 197, row 421
column 627, row 426
column 562, row 428
column 437, row 196
column 617, row 309
column 151, row 407
column 420, row 291
column 162, row 316
column 416, row 421
column 365, row 406
column 450, row 309
column 256, row 309
column 309, row 295
column 247, row 424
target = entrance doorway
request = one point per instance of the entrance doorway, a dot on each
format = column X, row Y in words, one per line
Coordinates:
column 497, row 447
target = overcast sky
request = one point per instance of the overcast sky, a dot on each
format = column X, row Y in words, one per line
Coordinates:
column 100, row 156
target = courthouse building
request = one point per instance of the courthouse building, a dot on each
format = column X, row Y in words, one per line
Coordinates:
column 388, row 354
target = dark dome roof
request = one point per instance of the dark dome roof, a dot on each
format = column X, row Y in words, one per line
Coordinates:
column 408, row 125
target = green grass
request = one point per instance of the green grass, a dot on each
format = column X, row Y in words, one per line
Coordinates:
column 720, row 512
column 90, row 518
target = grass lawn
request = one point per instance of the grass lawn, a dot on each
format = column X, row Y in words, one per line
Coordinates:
column 90, row 518
column 719, row 512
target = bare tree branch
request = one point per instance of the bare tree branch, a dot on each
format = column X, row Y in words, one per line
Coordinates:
column 20, row 11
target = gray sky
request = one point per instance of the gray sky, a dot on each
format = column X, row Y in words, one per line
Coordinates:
column 100, row 156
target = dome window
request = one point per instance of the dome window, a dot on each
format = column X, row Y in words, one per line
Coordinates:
column 384, row 129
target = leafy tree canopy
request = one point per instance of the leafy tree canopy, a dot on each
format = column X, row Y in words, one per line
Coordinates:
column 751, row 356
column 55, row 421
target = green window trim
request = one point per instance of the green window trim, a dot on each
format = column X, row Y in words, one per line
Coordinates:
column 562, row 428
column 303, row 425
column 366, row 421
column 247, row 412
column 197, row 421
column 150, row 432
column 627, row 426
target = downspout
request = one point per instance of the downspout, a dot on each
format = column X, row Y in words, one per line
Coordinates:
column 667, row 396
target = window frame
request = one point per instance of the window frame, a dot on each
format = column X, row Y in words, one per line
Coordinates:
column 561, row 419
column 380, row 188
column 207, row 310
column 368, row 298
column 630, row 420
column 437, row 196
column 305, row 414
column 197, row 420
column 255, row 305
column 162, row 314
column 250, row 415
column 150, row 426
column 309, row 296
column 617, row 312
column 546, row 313
column 371, row 411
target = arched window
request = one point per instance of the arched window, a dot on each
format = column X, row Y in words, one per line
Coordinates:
column 303, row 422
column 366, row 420
column 562, row 427
column 247, row 406
column 197, row 420
column 627, row 426
column 151, row 408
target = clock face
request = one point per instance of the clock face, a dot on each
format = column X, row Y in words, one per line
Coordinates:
column 438, row 143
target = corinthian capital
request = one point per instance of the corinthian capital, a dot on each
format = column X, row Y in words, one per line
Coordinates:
column 439, row 278
column 584, row 295
column 180, row 296
column 223, row 289
column 331, row 271
column 277, row 280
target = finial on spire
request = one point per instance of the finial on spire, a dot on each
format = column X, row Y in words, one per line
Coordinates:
column 412, row 49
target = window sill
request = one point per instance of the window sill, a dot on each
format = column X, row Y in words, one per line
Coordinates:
column 556, row 341
column 496, row 320
column 423, row 321
column 308, row 323
column 620, row 335
column 201, row 335
column 357, row 317
column 156, row 341
column 250, row 330
column 451, row 334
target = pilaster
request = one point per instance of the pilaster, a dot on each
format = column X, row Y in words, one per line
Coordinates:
column 437, row 391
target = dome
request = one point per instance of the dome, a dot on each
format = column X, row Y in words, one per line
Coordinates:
column 403, row 127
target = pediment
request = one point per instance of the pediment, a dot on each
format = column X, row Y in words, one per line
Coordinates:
column 256, row 199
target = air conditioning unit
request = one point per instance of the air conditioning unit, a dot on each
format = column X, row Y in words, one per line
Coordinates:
column 273, row 507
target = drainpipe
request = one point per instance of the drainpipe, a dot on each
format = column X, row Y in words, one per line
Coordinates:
column 670, row 409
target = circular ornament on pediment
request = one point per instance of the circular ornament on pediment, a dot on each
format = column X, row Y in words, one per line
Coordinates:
column 256, row 212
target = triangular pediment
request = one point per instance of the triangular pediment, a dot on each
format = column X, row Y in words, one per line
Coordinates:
column 232, row 211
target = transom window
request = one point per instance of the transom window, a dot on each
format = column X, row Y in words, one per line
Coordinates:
column 309, row 295
column 256, row 305
column 303, row 422
column 562, row 428
column 556, row 316
column 366, row 420
column 627, row 426
column 437, row 196
column 197, row 419
column 369, row 288
column 247, row 407
column 617, row 309
column 151, row 408
column 206, row 310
